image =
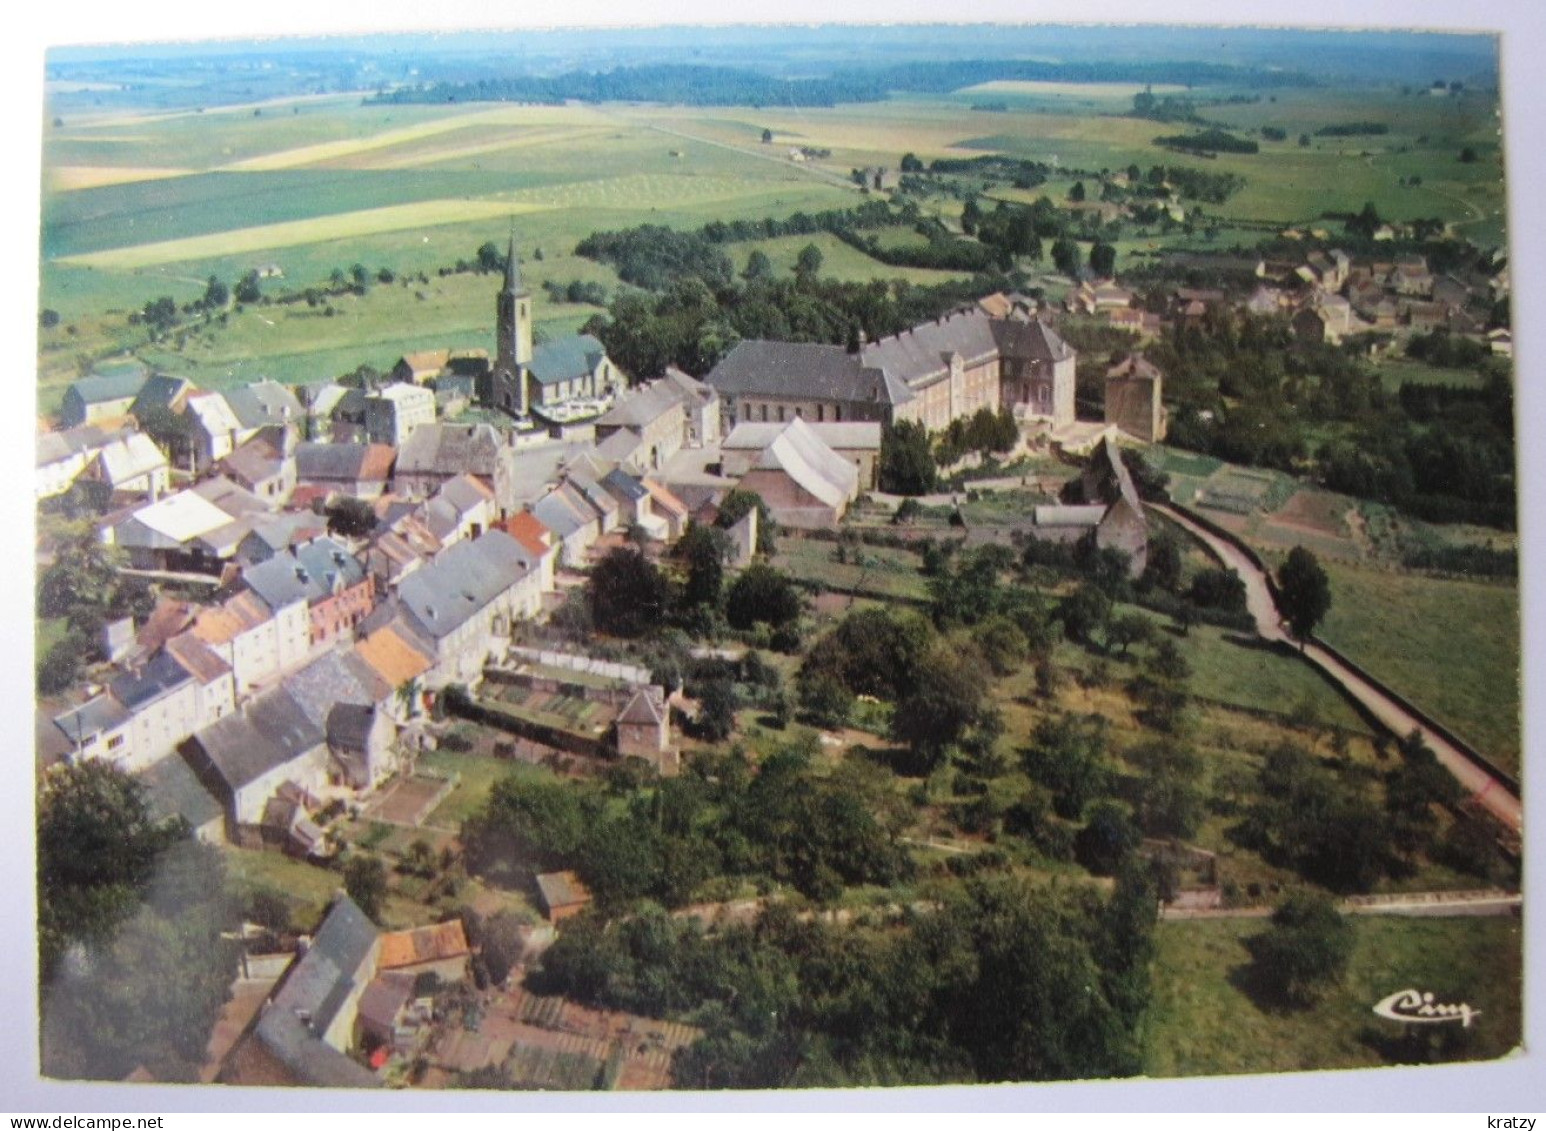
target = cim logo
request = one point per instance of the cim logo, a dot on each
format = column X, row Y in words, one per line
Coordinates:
column 1419, row 1007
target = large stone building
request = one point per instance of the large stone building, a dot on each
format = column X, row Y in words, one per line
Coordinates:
column 932, row 373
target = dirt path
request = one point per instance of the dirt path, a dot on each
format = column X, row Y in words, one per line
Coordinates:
column 1418, row 904
column 1491, row 793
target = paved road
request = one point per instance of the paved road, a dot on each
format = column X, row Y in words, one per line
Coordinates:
column 1488, row 790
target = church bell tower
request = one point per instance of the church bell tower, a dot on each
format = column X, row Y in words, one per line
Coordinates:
column 513, row 346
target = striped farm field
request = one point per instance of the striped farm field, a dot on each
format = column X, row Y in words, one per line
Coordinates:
column 66, row 178
column 385, row 139
column 320, row 229
column 434, row 151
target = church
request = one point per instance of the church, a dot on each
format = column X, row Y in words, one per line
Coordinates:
column 932, row 373
column 523, row 377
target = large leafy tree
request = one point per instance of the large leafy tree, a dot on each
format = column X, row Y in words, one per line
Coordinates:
column 703, row 550
column 97, row 850
column 906, row 462
column 762, row 595
column 1306, row 950
column 131, row 912
column 1304, row 593
column 628, row 595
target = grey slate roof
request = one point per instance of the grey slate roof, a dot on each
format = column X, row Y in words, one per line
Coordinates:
column 624, row 486
column 115, row 387
column 450, row 449
column 337, row 677
column 312, row 993
column 157, row 394
column 924, row 349
column 161, row 676
column 1031, row 340
column 265, row 402
column 95, row 716
column 172, row 789
column 563, row 510
column 348, row 725
column 564, row 359
column 803, row 370
column 444, row 595
column 642, row 406
column 308, row 573
column 273, row 730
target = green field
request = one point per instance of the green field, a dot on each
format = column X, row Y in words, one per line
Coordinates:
column 138, row 205
column 1451, row 646
column 1203, row 1022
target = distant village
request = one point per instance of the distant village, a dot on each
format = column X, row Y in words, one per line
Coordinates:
column 333, row 559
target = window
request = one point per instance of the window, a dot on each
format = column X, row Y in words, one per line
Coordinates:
column 764, row 414
column 115, row 742
column 821, row 413
column 780, row 414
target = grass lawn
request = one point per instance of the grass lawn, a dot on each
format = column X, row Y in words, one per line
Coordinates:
column 306, row 888
column 885, row 572
column 1202, row 1022
column 1451, row 646
column 479, row 772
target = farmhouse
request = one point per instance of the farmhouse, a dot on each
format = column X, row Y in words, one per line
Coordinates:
column 857, row 442
column 100, row 400
column 358, row 470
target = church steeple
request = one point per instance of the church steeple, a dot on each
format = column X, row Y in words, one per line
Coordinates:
column 513, row 318
column 512, row 267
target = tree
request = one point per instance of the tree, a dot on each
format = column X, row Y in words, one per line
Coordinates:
column 365, row 879
column 1076, row 194
column 717, row 703
column 945, row 700
column 97, row 850
column 1066, row 257
column 628, row 595
column 906, row 465
column 216, row 294
column 1084, row 612
column 249, row 289
column 1304, row 593
column 767, row 137
column 759, row 268
column 1108, row 838
column 351, row 517
column 1127, row 629
column 807, row 264
column 1103, row 259
column 1068, row 756
column 911, row 164
column 704, row 549
column 733, row 508
column 1468, row 156
column 761, row 594
column 1306, row 950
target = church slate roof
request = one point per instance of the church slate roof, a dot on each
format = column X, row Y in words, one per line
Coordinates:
column 564, row 359
column 803, row 370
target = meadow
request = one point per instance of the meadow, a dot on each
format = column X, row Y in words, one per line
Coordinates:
column 1451, row 645
column 1204, row 1018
